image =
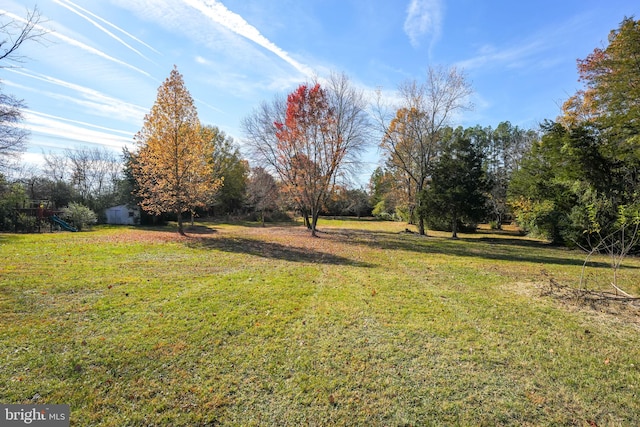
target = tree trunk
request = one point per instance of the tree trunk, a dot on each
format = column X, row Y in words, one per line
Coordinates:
column 305, row 216
column 498, row 222
column 411, row 216
column 454, row 228
column 262, row 217
column 419, row 211
column 314, row 223
column 180, row 227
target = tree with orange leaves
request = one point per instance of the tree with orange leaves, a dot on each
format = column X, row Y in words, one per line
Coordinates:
column 578, row 181
column 611, row 96
column 173, row 168
column 411, row 137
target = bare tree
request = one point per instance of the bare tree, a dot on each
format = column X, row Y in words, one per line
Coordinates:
column 411, row 130
column 618, row 244
column 262, row 191
column 260, row 133
column 352, row 126
column 15, row 31
column 93, row 171
column 13, row 137
column 56, row 166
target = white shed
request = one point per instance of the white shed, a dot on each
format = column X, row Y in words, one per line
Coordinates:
column 123, row 214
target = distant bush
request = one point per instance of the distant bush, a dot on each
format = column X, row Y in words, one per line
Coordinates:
column 12, row 195
column 381, row 211
column 25, row 223
column 402, row 213
column 79, row 215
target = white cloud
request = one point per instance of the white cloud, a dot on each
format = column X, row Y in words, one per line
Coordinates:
column 35, row 159
column 202, row 61
column 535, row 50
column 424, row 17
column 512, row 56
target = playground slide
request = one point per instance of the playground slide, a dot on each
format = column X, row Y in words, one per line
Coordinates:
column 62, row 224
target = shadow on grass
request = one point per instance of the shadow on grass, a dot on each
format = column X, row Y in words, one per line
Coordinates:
column 198, row 230
column 209, row 226
column 273, row 251
column 498, row 246
column 489, row 248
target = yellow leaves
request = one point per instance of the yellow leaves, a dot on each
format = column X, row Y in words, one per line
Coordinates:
column 404, row 118
column 172, row 167
column 579, row 108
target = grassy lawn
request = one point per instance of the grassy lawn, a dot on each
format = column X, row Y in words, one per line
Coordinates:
column 366, row 325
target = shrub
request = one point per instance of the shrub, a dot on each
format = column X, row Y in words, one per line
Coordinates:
column 25, row 223
column 379, row 210
column 79, row 215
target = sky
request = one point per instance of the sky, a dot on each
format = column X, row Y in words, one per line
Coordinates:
column 93, row 78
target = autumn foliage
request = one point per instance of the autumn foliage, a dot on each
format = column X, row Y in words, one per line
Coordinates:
column 412, row 136
column 307, row 149
column 611, row 96
column 310, row 141
column 173, row 168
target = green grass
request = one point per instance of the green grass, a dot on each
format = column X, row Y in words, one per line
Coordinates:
column 366, row 325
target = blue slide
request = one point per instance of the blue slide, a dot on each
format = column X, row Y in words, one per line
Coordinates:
column 62, row 224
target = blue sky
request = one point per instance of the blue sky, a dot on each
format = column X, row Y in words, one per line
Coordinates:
column 97, row 74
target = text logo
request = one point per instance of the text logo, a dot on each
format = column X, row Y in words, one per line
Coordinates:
column 34, row 415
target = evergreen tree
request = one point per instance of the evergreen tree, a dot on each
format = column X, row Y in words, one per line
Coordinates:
column 458, row 189
column 229, row 166
column 584, row 171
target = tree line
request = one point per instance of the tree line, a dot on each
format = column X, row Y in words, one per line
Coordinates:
column 580, row 182
column 573, row 181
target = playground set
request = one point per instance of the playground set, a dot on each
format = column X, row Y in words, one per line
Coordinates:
column 44, row 213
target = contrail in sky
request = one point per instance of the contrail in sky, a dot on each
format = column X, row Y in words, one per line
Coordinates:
column 218, row 13
column 100, row 27
column 76, row 43
column 89, row 98
column 53, row 127
column 107, row 23
column 97, row 52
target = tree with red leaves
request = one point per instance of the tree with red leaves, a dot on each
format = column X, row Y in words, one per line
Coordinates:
column 310, row 140
column 307, row 149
